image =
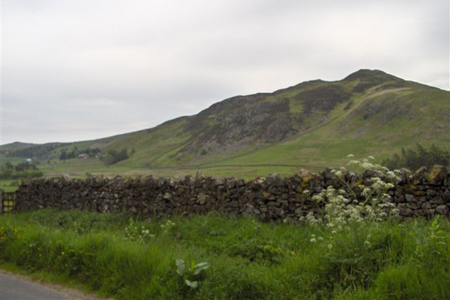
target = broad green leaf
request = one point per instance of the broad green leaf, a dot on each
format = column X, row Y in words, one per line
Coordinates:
column 200, row 267
column 181, row 266
column 192, row 284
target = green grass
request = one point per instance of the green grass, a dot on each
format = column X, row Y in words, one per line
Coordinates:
column 248, row 259
column 328, row 145
column 78, row 168
column 9, row 185
column 13, row 160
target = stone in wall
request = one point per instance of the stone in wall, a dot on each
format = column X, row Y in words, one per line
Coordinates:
column 422, row 194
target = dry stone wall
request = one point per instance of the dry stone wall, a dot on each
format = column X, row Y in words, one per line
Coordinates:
column 422, row 194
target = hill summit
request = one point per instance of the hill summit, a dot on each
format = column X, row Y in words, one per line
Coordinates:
column 314, row 123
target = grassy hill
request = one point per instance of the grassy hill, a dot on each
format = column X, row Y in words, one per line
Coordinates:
column 15, row 146
column 313, row 124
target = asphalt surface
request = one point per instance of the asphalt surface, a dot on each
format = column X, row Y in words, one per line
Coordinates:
column 14, row 288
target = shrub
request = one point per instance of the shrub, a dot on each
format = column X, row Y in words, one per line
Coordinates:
column 345, row 206
column 421, row 157
column 10, row 174
column 114, row 156
column 191, row 273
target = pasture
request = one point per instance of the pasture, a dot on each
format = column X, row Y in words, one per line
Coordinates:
column 222, row 257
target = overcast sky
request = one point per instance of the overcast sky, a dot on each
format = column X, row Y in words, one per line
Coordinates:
column 81, row 69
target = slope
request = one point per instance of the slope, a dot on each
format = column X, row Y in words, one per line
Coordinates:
column 314, row 124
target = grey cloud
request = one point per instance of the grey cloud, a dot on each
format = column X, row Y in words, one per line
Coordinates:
column 87, row 69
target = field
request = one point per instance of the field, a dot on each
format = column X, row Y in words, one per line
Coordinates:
column 80, row 168
column 220, row 257
column 9, row 185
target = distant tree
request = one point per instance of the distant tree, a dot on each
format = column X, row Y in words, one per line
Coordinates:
column 75, row 153
column 92, row 152
column 63, row 155
column 8, row 166
column 421, row 157
column 7, row 174
column 21, row 171
column 25, row 166
column 35, row 151
column 439, row 156
column 123, row 154
column 412, row 160
column 113, row 156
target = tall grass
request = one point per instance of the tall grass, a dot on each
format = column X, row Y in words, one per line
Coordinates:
column 248, row 260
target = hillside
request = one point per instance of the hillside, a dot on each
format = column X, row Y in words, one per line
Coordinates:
column 15, row 146
column 25, row 150
column 315, row 123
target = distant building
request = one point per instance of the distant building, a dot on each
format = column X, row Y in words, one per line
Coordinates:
column 29, row 160
column 83, row 155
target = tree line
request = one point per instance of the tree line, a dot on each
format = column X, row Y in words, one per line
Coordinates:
column 36, row 151
column 111, row 157
column 414, row 159
column 75, row 153
column 23, row 170
column 114, row 156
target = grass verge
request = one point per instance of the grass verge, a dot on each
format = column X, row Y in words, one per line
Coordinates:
column 129, row 259
column 9, row 186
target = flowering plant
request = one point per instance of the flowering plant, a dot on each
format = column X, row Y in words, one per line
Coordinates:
column 367, row 201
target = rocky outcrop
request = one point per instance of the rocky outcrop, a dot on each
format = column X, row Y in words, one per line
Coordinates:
column 239, row 122
column 422, row 194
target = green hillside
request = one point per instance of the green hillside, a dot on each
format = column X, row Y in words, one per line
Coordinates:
column 15, row 146
column 313, row 124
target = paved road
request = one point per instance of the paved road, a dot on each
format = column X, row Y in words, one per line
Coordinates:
column 14, row 288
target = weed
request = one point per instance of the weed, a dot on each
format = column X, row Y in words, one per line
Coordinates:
column 192, row 273
column 248, row 259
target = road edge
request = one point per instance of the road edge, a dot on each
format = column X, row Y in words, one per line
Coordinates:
column 67, row 291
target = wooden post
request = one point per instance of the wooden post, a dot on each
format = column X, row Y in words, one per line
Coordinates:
column 1, row 201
